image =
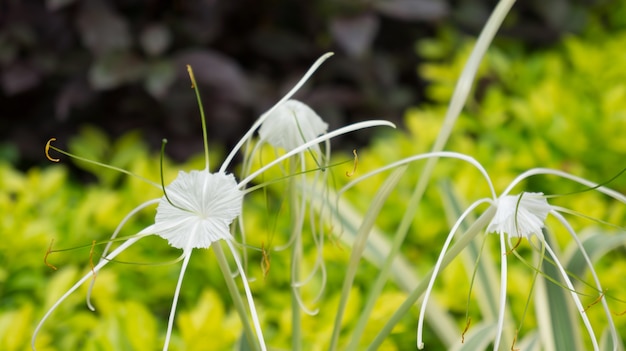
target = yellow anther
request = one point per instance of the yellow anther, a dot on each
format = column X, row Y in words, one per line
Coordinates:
column 48, row 151
column 469, row 321
column 265, row 261
column 594, row 302
column 356, row 163
column 45, row 258
column 192, row 77
column 514, row 341
column 93, row 268
column 519, row 241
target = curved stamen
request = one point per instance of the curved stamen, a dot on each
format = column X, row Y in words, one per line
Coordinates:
column 48, row 146
column 45, row 258
column 356, row 163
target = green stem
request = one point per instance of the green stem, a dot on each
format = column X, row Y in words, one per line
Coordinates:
column 234, row 293
column 296, row 225
column 194, row 85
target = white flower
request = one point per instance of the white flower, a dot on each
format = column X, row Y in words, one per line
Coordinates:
column 202, row 207
column 511, row 216
column 520, row 216
column 523, row 216
column 197, row 209
column 291, row 125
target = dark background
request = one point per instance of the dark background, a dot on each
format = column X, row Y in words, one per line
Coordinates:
column 120, row 65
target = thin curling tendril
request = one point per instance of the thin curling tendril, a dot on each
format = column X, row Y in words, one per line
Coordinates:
column 48, row 146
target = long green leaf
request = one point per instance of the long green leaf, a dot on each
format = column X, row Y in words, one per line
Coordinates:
column 557, row 317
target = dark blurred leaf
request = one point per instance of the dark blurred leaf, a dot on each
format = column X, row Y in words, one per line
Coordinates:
column 54, row 5
column 355, row 34
column 554, row 11
column 115, row 69
column 8, row 50
column 159, row 77
column 19, row 77
column 413, row 10
column 74, row 93
column 280, row 45
column 101, row 29
column 217, row 71
column 155, row 39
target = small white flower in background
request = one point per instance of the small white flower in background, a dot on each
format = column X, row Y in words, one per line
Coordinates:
column 286, row 128
column 198, row 207
column 291, row 125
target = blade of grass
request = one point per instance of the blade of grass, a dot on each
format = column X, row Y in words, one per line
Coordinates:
column 459, row 97
column 556, row 316
column 359, row 246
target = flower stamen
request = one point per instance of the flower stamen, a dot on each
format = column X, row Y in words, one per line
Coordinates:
column 467, row 325
column 356, row 163
column 93, row 271
column 598, row 299
column 45, row 258
column 48, row 146
column 514, row 341
column 265, row 261
column 519, row 241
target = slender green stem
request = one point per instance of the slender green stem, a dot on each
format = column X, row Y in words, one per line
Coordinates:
column 454, row 251
column 234, row 293
column 194, row 85
column 296, row 252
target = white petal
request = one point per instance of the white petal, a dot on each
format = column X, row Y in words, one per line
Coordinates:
column 520, row 218
column 203, row 207
column 291, row 125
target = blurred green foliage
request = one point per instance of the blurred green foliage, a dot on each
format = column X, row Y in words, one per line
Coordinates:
column 562, row 108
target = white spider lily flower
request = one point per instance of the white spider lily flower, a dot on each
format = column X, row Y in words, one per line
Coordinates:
column 291, row 125
column 286, row 128
column 198, row 207
column 202, row 207
column 523, row 216
column 520, row 216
